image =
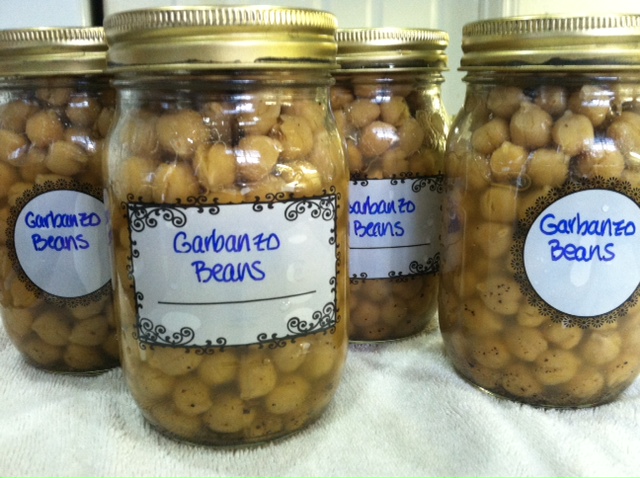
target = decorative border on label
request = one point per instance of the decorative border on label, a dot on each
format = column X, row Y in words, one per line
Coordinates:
column 418, row 183
column 14, row 213
column 517, row 252
column 141, row 215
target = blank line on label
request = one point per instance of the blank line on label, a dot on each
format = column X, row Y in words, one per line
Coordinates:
column 238, row 301
column 392, row 247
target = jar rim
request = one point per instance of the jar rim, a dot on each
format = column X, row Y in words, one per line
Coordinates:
column 50, row 51
column 552, row 42
column 220, row 37
column 375, row 48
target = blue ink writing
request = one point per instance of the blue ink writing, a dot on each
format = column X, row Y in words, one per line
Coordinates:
column 571, row 252
column 217, row 243
column 371, row 207
column 576, row 225
column 269, row 242
column 52, row 220
column 226, row 273
column 377, row 229
column 59, row 243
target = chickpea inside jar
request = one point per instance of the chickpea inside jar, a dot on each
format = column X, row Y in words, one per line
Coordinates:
column 388, row 106
column 541, row 261
column 55, row 111
column 227, row 190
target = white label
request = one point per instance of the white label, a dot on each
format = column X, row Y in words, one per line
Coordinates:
column 234, row 274
column 582, row 253
column 393, row 227
column 61, row 243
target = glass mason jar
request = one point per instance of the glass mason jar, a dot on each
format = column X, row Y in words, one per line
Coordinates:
column 56, row 107
column 541, row 260
column 227, row 188
column 388, row 106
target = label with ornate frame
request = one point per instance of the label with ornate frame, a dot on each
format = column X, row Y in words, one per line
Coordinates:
column 576, row 254
column 394, row 227
column 236, row 274
column 57, row 241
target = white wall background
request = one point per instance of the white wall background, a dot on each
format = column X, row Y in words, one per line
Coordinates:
column 448, row 15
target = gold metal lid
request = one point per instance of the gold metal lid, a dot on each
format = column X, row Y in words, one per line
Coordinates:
column 397, row 48
column 220, row 37
column 552, row 43
column 52, row 51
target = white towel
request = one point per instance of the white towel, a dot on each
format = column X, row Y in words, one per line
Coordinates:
column 400, row 410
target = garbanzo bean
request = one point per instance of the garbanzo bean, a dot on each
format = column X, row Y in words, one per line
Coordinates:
column 494, row 238
column 497, row 204
column 174, row 181
column 53, row 328
column 601, row 347
column 92, row 331
column 362, row 112
column 173, row 421
column 552, row 99
column 66, row 159
column 14, row 115
column 8, row 176
column 215, row 166
column 219, row 368
column 83, row 109
column 182, row 132
column 259, row 118
column 481, row 320
column 625, row 131
column 138, row 132
column 257, row 376
column 555, row 366
column 295, row 136
column 377, row 137
column 591, row 101
column 548, row 167
column 508, row 161
column 563, row 337
column 530, row 126
column 310, row 110
column 228, row 414
column 54, row 95
column 174, row 362
column 504, row 101
column 44, row 128
column 602, row 160
column 191, row 396
column 526, row 343
column 136, row 177
column 290, row 394
column 490, row 136
column 586, row 384
column 12, row 146
column 82, row 357
column 40, row 352
column 501, row 294
column 490, row 352
column 410, row 136
column 520, row 381
column 256, row 157
column 573, row 133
